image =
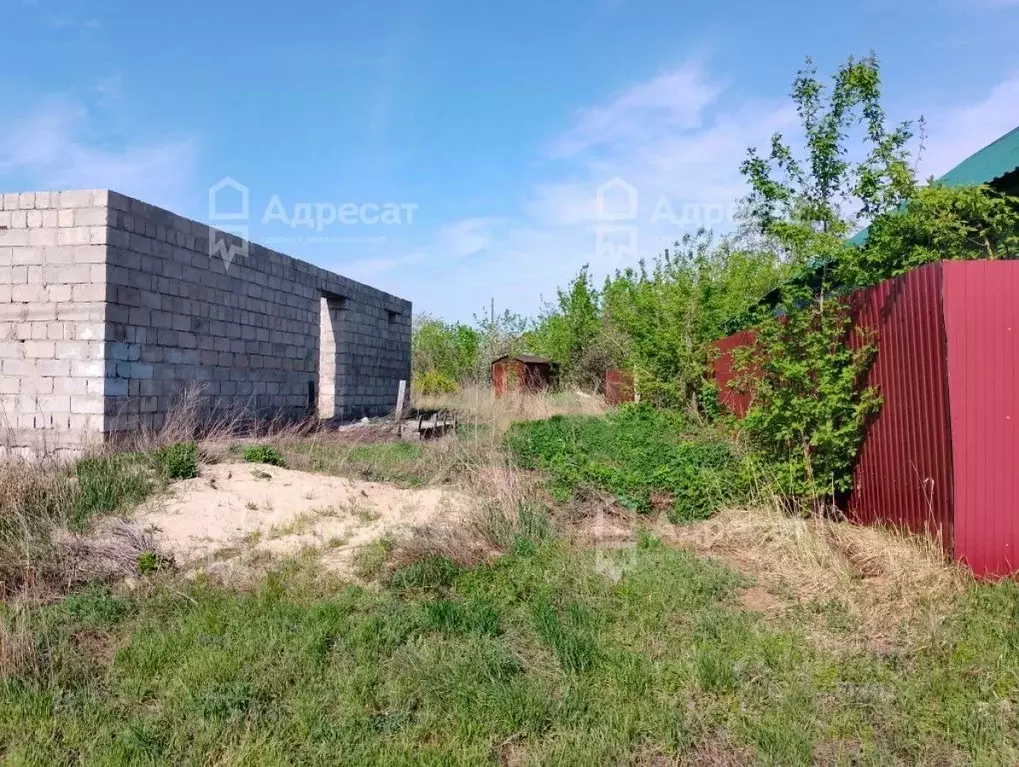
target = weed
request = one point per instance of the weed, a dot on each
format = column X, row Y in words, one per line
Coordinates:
column 365, row 516
column 177, row 461
column 432, row 572
column 111, row 483
column 151, row 562
column 369, row 560
column 300, row 524
column 536, row 653
column 259, row 474
column 646, row 458
column 264, row 454
column 404, row 463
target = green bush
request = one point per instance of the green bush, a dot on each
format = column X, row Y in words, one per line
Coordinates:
column 649, row 459
column 433, row 382
column 263, row 454
column 178, row 461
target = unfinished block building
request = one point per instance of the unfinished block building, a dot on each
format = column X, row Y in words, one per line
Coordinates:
column 110, row 307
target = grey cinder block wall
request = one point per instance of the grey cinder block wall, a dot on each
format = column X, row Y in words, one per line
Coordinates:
column 110, row 307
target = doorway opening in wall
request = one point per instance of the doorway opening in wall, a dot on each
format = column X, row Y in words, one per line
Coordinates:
column 330, row 328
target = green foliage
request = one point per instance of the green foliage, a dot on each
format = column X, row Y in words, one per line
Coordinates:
column 178, row 461
column 810, row 407
column 570, row 333
column 264, row 454
column 805, row 207
column 940, row 222
column 664, row 317
column 370, row 559
column 151, row 562
column 443, row 353
column 433, row 382
column 431, row 573
column 451, row 617
column 111, row 483
column 95, row 606
column 647, row 458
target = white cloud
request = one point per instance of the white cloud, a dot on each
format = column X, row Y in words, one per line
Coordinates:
column 675, row 138
column 52, row 148
column 673, row 100
column 670, row 138
column 956, row 132
column 466, row 237
column 366, row 269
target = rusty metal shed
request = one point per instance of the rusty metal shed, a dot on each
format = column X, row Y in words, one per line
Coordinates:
column 940, row 456
column 618, row 387
column 516, row 373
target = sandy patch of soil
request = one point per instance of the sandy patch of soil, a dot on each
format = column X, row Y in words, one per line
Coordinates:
column 233, row 511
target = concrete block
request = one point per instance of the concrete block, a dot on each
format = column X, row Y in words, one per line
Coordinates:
column 90, row 403
column 75, row 200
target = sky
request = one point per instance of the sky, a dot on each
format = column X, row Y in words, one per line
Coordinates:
column 457, row 152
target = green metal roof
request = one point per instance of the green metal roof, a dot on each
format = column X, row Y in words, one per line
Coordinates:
column 995, row 160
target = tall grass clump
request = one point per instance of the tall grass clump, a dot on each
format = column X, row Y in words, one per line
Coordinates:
column 112, row 482
column 35, row 499
column 177, row 461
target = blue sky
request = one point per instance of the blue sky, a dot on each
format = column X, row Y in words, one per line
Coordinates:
column 493, row 122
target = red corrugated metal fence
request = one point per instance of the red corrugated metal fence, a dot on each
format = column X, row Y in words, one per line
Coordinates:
column 903, row 473
column 981, row 307
column 734, row 401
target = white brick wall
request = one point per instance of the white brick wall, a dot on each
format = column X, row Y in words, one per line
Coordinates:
column 110, row 306
column 52, row 316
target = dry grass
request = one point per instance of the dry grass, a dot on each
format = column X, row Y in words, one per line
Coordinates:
column 892, row 585
column 19, row 652
column 508, row 500
column 194, row 416
column 478, row 404
column 40, row 557
column 36, row 501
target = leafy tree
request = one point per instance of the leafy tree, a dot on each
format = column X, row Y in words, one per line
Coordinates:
column 810, row 409
column 445, row 352
column 807, row 206
column 570, row 332
column 664, row 316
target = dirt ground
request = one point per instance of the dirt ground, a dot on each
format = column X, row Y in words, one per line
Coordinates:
column 232, row 511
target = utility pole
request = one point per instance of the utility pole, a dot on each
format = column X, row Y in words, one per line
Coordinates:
column 492, row 316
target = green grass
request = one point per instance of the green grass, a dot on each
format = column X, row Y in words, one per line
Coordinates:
column 263, row 454
column 402, row 463
column 647, row 458
column 112, row 483
column 533, row 658
column 177, row 461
